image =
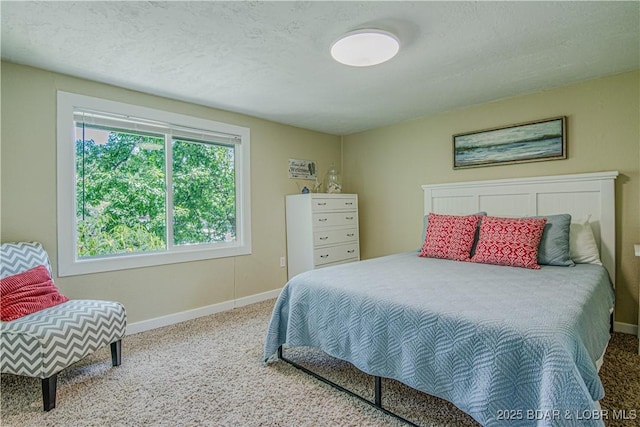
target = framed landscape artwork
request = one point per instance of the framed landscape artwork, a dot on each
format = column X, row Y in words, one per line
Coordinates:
column 523, row 142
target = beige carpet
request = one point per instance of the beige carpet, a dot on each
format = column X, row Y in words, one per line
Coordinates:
column 209, row 372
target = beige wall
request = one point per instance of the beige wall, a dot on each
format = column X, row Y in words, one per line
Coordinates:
column 28, row 197
column 387, row 166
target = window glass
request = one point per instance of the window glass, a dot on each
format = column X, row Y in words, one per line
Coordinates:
column 120, row 192
column 204, row 195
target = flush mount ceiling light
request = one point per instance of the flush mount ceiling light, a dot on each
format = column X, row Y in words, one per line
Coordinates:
column 363, row 48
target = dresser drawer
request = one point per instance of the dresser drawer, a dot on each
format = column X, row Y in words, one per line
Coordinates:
column 335, row 254
column 331, row 204
column 330, row 219
column 329, row 237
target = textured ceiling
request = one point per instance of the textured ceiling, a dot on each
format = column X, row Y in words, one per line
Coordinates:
column 271, row 59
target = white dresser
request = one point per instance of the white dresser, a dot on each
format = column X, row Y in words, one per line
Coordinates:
column 322, row 230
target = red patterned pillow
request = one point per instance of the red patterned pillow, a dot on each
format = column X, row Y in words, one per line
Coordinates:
column 450, row 236
column 509, row 241
column 28, row 292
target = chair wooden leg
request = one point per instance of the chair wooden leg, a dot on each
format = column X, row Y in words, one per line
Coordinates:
column 49, row 392
column 116, row 353
column 49, row 385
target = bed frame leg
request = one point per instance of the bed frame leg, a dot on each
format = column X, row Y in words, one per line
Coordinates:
column 611, row 323
column 377, row 390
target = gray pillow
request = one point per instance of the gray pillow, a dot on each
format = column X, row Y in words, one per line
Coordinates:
column 554, row 244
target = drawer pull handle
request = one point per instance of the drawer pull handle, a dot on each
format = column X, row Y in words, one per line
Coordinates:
column 324, row 256
column 322, row 204
column 322, row 219
column 324, row 238
column 348, row 203
column 350, row 234
column 351, row 251
column 348, row 217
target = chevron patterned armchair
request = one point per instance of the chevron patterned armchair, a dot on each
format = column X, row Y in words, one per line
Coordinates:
column 43, row 343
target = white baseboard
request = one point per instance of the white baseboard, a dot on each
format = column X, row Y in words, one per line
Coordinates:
column 170, row 319
column 625, row 328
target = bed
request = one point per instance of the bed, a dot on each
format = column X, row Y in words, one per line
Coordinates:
column 505, row 344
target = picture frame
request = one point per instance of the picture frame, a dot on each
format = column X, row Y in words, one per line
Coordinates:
column 533, row 141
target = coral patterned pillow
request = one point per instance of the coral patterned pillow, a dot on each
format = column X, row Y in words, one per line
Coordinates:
column 509, row 241
column 28, row 292
column 450, row 236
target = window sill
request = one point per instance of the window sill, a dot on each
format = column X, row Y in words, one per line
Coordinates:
column 129, row 261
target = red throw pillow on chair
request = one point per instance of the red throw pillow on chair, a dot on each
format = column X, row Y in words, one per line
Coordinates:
column 27, row 292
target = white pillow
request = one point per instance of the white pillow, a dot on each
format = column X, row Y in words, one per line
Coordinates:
column 582, row 243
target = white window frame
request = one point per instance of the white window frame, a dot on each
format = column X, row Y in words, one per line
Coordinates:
column 68, row 262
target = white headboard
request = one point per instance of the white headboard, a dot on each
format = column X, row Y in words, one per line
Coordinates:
column 580, row 195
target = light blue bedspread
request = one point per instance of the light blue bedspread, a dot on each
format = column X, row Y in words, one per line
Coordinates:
column 508, row 346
